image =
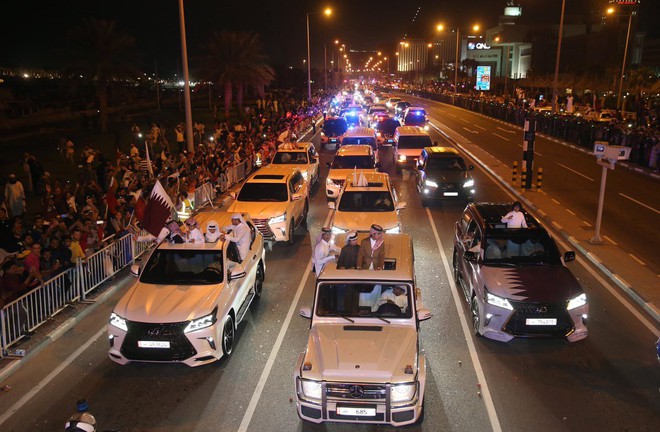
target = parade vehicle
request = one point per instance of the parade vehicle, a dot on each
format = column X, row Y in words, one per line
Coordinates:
column 188, row 300
column 333, row 129
column 400, row 108
column 348, row 159
column 277, row 198
column 366, row 198
column 363, row 362
column 360, row 135
column 375, row 110
column 514, row 279
column 441, row 174
column 391, row 103
column 385, row 128
column 301, row 155
column 409, row 141
column 416, row 116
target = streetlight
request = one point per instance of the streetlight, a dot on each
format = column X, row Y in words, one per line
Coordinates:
column 326, row 12
column 441, row 27
column 186, row 79
column 610, row 11
column 554, row 82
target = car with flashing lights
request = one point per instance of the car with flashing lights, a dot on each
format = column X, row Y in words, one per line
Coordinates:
column 347, row 160
column 333, row 129
column 391, row 103
column 409, row 141
column 416, row 116
column 366, row 198
column 277, row 198
column 188, row 300
column 401, row 108
column 441, row 174
column 515, row 280
column 301, row 155
column 374, row 110
column 385, row 128
column 363, row 362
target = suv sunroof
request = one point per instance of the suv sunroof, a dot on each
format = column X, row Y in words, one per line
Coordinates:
column 268, row 177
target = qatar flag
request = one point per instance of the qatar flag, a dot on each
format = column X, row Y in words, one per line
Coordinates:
column 157, row 211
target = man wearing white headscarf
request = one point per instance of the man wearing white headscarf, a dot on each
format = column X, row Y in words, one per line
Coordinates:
column 349, row 253
column 324, row 252
column 239, row 233
column 194, row 233
column 212, row 232
column 372, row 252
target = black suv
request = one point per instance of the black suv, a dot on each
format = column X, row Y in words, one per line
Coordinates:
column 441, row 174
column 514, row 279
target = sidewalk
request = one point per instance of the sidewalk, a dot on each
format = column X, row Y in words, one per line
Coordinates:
column 635, row 280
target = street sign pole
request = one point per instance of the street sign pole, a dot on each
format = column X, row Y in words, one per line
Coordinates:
column 601, row 199
column 528, row 150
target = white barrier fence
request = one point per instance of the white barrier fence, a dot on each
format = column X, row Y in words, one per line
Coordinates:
column 31, row 310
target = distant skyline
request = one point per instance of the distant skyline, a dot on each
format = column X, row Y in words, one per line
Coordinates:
column 35, row 31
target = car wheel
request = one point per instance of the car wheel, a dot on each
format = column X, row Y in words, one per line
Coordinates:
column 292, row 231
column 476, row 316
column 259, row 281
column 457, row 274
column 228, row 336
column 304, row 216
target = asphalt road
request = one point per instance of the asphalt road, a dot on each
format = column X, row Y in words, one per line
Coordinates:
column 608, row 382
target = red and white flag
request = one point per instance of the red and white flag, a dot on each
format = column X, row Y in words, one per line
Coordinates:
column 158, row 210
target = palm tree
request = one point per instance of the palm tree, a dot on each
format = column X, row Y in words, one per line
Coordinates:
column 102, row 53
column 235, row 59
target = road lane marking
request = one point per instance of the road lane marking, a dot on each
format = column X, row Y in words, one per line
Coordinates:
column 44, row 382
column 571, row 212
column 453, row 115
column 575, row 172
column 587, row 224
column 256, row 395
column 463, row 120
column 470, row 130
column 505, row 130
column 478, row 369
column 609, row 240
column 555, row 201
column 640, row 203
column 500, row 136
column 637, row 259
column 477, row 126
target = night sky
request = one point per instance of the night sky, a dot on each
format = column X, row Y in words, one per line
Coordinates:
column 32, row 31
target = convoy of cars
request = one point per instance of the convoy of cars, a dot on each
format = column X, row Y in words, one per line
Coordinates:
column 363, row 362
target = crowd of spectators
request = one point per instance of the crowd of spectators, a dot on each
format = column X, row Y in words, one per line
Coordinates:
column 106, row 195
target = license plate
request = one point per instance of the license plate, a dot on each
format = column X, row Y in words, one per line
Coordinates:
column 450, row 194
column 153, row 344
column 541, row 321
column 355, row 411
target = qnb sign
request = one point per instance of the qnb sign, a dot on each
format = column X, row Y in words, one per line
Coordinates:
column 477, row 46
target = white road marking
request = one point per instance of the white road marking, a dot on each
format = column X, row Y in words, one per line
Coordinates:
column 470, row 130
column 256, row 395
column 555, row 201
column 586, row 223
column 453, row 115
column 463, row 120
column 505, row 130
column 44, row 382
column 640, row 203
column 500, row 136
column 610, row 240
column 637, row 259
column 477, row 126
column 481, row 377
column 575, row 172
column 571, row 212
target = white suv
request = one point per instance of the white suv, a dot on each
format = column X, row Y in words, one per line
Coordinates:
column 363, row 363
column 366, row 200
column 188, row 300
column 301, row 155
column 348, row 159
column 277, row 198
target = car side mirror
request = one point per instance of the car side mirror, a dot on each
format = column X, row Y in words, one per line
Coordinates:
column 401, row 205
column 232, row 195
column 569, row 256
column 423, row 314
column 135, row 270
column 296, row 197
column 305, row 312
column 331, row 205
column 237, row 272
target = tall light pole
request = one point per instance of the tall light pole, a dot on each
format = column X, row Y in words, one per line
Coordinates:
column 555, row 96
column 625, row 57
column 441, row 27
column 326, row 12
column 186, row 79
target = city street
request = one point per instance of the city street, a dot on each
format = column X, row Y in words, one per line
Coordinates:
column 609, row 381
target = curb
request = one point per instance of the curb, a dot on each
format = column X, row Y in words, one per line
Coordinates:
column 592, row 258
column 61, row 329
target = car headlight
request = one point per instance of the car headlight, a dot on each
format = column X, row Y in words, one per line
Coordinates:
column 201, row 323
column 498, row 301
column 305, row 175
column 336, row 230
column 430, row 183
column 426, row 127
column 576, row 302
column 117, row 321
column 402, row 392
column 395, row 230
column 311, row 389
column 278, row 219
column 468, row 183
